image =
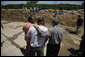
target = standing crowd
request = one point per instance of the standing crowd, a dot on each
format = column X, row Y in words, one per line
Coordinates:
column 37, row 35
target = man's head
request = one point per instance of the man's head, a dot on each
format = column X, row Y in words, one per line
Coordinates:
column 55, row 21
column 79, row 16
column 31, row 19
column 41, row 21
column 54, row 15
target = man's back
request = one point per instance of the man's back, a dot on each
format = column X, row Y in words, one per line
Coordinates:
column 79, row 21
column 36, row 41
column 56, row 35
column 41, row 38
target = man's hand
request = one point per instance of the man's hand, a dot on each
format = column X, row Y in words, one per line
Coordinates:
column 28, row 40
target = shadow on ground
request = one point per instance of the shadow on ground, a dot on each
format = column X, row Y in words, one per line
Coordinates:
column 73, row 52
column 23, row 51
column 70, row 31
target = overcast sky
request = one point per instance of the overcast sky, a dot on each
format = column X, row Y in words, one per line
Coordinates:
column 43, row 2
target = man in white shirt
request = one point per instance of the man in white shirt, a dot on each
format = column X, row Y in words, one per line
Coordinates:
column 36, row 41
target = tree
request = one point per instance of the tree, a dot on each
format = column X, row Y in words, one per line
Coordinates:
column 32, row 3
column 2, row 2
column 82, row 5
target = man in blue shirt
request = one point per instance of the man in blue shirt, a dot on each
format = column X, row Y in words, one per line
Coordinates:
column 79, row 23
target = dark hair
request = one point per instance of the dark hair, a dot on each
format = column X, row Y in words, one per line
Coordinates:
column 55, row 22
column 79, row 15
column 30, row 18
column 40, row 19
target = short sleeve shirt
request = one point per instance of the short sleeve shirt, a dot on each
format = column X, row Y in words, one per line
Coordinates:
column 26, row 28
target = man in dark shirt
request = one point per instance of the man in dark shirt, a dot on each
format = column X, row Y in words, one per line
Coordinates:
column 79, row 23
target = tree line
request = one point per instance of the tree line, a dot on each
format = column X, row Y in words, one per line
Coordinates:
column 43, row 6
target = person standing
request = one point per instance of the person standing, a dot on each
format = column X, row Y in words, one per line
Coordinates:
column 61, row 10
column 37, row 41
column 79, row 23
column 26, row 28
column 56, row 10
column 55, row 36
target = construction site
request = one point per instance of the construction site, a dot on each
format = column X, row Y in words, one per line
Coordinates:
column 12, row 36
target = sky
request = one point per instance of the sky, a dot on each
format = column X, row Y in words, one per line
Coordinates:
column 43, row 2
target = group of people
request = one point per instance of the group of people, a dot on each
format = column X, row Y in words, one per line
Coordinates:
column 35, row 9
column 60, row 11
column 37, row 35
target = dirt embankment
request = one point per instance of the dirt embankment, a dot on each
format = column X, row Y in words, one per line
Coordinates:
column 18, row 15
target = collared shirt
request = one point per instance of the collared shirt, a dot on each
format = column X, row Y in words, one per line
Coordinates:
column 55, row 35
column 33, row 35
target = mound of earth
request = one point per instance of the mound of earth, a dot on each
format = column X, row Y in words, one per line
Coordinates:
column 20, row 16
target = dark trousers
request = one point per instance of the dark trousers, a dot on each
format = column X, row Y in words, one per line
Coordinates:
column 53, row 50
column 27, row 48
column 82, row 46
column 39, row 50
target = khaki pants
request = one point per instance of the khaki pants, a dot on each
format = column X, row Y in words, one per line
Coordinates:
column 77, row 29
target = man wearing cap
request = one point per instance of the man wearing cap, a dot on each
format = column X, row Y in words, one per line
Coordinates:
column 55, row 35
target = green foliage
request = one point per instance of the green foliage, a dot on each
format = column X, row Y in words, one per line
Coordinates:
column 17, row 6
column 44, row 6
column 82, row 6
column 31, row 3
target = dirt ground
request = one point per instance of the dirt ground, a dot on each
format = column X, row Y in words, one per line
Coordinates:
column 12, row 35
